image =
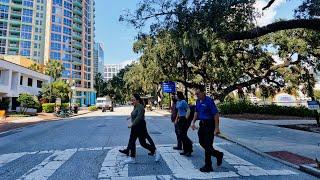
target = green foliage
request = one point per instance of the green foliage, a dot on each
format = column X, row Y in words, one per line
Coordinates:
column 48, row 107
column 57, row 89
column 27, row 101
column 166, row 100
column 240, row 107
column 317, row 94
column 99, row 85
column 4, row 104
column 54, row 69
column 93, row 108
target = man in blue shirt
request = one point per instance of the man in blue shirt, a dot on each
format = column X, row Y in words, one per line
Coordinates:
column 207, row 113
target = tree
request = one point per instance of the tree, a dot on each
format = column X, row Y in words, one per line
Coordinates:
column 99, row 84
column 36, row 67
column 27, row 101
column 57, row 89
column 54, row 69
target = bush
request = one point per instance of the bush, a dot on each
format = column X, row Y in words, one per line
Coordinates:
column 48, row 107
column 93, row 108
column 27, row 101
column 240, row 107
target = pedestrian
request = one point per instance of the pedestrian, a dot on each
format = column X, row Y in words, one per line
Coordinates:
column 207, row 113
column 182, row 121
column 139, row 131
column 174, row 114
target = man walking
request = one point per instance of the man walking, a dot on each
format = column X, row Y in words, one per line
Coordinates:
column 207, row 113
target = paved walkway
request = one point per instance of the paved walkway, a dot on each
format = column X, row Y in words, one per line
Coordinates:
column 284, row 122
column 268, row 138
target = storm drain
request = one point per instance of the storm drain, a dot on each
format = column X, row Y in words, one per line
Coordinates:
column 291, row 157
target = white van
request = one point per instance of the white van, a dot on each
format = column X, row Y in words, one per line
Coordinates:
column 104, row 103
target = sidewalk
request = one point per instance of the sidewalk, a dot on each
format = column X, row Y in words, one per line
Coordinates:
column 269, row 138
column 16, row 122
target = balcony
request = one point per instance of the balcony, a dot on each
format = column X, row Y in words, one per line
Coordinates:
column 77, row 45
column 77, row 4
column 77, row 28
column 77, row 12
column 77, row 20
column 77, row 37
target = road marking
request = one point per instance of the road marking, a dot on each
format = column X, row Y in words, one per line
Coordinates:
column 113, row 166
column 245, row 168
column 183, row 168
column 6, row 158
column 48, row 166
column 159, row 177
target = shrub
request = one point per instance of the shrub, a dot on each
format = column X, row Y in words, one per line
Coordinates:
column 240, row 107
column 27, row 101
column 92, row 108
column 48, row 107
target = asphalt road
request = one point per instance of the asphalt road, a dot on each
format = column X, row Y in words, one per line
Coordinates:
column 86, row 147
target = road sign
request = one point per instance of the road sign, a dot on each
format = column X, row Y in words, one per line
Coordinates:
column 169, row 87
column 313, row 105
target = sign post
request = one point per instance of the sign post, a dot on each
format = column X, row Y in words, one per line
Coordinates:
column 314, row 105
column 169, row 87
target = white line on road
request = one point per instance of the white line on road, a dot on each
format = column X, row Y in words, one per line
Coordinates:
column 6, row 158
column 158, row 177
column 113, row 166
column 183, row 168
column 48, row 166
column 246, row 168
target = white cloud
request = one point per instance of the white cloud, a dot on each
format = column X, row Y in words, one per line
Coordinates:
column 128, row 62
column 268, row 15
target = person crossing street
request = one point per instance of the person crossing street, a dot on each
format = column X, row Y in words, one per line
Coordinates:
column 207, row 112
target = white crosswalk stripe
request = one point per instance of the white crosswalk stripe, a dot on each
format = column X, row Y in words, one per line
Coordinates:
column 47, row 167
column 113, row 167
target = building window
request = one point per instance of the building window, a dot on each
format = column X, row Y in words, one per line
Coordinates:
column 21, row 80
column 30, row 82
column 39, row 84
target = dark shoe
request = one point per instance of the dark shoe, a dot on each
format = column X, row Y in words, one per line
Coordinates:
column 206, row 169
column 177, row 148
column 152, row 153
column 219, row 159
column 124, row 151
column 188, row 154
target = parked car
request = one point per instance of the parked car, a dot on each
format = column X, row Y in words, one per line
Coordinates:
column 104, row 103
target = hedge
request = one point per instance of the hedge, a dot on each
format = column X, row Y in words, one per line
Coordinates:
column 93, row 108
column 49, row 107
column 242, row 107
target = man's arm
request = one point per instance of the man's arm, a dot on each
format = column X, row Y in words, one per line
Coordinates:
column 193, row 124
column 217, row 124
column 139, row 117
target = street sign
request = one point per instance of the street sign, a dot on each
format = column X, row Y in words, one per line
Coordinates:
column 313, row 105
column 169, row 87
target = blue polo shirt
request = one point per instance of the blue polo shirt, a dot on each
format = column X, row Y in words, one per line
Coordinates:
column 182, row 107
column 206, row 109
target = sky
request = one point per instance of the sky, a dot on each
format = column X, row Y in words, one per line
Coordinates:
column 118, row 37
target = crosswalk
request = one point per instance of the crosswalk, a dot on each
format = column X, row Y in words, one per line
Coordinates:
column 112, row 165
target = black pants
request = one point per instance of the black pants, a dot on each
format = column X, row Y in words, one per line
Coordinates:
column 177, row 131
column 140, row 132
column 183, row 128
column 206, row 137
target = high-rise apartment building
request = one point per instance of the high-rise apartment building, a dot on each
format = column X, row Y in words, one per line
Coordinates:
column 111, row 70
column 53, row 30
column 98, row 58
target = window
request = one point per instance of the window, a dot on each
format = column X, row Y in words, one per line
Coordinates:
column 21, row 80
column 25, row 52
column 30, row 82
column 39, row 84
column 26, row 19
column 56, row 28
column 55, row 46
column 55, row 37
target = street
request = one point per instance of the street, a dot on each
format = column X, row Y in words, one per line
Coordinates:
column 86, row 147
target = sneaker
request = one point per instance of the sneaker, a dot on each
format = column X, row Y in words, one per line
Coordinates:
column 219, row 159
column 124, row 151
column 130, row 160
column 206, row 169
column 188, row 154
column 157, row 156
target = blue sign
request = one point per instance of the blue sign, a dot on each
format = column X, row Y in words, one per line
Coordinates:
column 169, row 87
column 313, row 105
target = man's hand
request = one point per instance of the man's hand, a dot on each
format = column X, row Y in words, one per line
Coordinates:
column 193, row 126
column 130, row 126
column 217, row 131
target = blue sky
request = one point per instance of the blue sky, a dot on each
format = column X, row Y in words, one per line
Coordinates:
column 118, row 37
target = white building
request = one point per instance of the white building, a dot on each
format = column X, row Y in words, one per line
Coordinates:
column 111, row 70
column 16, row 79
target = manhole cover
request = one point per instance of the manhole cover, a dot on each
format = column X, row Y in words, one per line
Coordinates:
column 291, row 157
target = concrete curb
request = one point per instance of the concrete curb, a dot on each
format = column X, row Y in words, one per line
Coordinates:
column 39, row 122
column 304, row 168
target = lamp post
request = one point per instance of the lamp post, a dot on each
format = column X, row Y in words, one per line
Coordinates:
column 185, row 66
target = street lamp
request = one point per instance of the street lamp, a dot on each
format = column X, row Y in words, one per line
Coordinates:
column 185, row 67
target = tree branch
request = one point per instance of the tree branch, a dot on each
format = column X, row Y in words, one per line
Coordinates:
column 268, row 5
column 311, row 24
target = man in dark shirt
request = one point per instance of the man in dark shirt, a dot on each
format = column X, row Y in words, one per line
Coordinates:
column 207, row 113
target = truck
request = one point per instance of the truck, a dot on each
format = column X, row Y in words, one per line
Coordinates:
column 104, row 103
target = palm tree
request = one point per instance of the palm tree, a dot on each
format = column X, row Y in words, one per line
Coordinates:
column 54, row 69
